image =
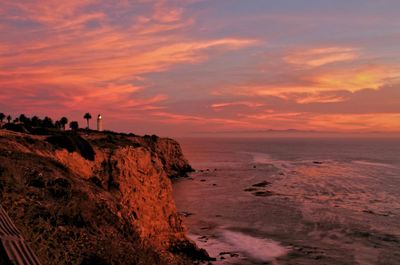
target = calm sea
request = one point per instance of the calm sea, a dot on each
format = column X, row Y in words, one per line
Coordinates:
column 293, row 201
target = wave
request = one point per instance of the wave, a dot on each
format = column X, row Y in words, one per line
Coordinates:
column 263, row 158
column 376, row 164
column 257, row 248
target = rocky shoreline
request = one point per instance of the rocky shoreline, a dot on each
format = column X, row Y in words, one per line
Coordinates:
column 96, row 197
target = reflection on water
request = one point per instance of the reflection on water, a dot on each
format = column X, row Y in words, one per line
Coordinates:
column 294, row 201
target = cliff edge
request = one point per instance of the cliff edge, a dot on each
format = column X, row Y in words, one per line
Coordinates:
column 95, row 198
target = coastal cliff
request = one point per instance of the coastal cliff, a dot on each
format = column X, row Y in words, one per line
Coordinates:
column 95, row 198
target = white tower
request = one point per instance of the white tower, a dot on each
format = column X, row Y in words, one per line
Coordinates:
column 99, row 123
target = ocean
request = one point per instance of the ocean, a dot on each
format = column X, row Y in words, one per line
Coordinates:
column 293, row 201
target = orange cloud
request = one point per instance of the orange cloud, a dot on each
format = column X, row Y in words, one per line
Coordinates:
column 129, row 59
column 101, row 64
column 166, row 14
column 76, row 66
column 249, row 104
column 384, row 122
column 193, row 120
column 373, row 76
column 57, row 14
column 321, row 56
column 93, row 64
column 306, row 98
column 312, row 84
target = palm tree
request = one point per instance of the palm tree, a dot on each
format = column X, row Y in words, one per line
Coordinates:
column 48, row 122
column 58, row 125
column 9, row 118
column 35, row 121
column 2, row 117
column 64, row 121
column 87, row 117
column 74, row 125
column 23, row 118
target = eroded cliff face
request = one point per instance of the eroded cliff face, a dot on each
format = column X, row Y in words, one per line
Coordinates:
column 96, row 198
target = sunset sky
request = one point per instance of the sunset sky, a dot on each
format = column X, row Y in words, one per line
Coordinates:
column 191, row 66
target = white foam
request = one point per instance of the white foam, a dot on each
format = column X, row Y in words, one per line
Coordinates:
column 376, row 164
column 263, row 158
column 256, row 248
column 214, row 246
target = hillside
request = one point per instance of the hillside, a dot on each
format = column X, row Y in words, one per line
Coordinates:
column 95, row 198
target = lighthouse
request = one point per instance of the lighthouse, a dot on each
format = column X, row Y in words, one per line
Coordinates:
column 99, row 123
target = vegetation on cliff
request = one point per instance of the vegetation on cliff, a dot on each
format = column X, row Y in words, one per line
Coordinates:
column 88, row 197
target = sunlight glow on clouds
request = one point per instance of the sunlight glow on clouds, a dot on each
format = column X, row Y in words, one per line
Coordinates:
column 355, row 79
column 174, row 67
column 232, row 104
column 321, row 56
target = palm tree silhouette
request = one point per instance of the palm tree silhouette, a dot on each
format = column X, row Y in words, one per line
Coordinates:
column 64, row 121
column 23, row 118
column 2, row 117
column 9, row 118
column 36, row 121
column 87, row 117
column 48, row 122
column 74, row 125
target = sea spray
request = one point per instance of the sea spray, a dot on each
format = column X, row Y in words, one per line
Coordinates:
column 260, row 249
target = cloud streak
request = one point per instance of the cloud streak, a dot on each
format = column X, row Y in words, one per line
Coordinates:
column 177, row 66
column 95, row 66
column 321, row 56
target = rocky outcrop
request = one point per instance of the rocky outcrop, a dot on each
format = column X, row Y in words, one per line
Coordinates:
column 95, row 198
column 170, row 154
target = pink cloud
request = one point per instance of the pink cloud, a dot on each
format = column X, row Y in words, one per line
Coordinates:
column 138, row 60
column 249, row 104
column 316, row 57
column 74, row 67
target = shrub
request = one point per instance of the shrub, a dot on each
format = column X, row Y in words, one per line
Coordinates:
column 73, row 143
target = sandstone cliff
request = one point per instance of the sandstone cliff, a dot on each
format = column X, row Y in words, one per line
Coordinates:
column 95, row 198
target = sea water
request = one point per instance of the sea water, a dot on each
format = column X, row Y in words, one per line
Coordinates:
column 293, row 201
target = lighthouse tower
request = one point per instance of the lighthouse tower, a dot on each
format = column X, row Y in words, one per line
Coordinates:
column 99, row 123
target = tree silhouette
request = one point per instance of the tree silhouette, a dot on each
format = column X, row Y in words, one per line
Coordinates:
column 48, row 122
column 9, row 118
column 2, row 117
column 87, row 117
column 74, row 125
column 23, row 118
column 64, row 121
column 36, row 121
column 58, row 125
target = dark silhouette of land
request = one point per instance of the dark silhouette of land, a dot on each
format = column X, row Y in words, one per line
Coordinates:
column 81, row 192
column 37, row 125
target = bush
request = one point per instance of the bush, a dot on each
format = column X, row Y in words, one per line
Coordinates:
column 73, row 143
column 17, row 127
column 94, row 260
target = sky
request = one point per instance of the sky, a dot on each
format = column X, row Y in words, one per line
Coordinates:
column 193, row 67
